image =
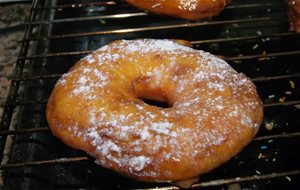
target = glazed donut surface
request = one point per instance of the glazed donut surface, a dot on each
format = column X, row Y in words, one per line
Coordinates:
column 186, row 9
column 98, row 107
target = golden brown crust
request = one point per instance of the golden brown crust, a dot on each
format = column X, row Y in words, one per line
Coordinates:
column 214, row 112
column 187, row 9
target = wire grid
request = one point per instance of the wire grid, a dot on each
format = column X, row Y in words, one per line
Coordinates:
column 256, row 42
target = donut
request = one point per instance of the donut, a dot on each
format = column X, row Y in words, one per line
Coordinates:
column 186, row 9
column 294, row 14
column 100, row 107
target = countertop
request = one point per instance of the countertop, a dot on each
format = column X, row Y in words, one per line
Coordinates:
column 12, row 18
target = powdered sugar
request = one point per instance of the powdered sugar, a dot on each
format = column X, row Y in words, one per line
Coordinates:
column 217, row 86
column 108, row 147
column 127, row 133
column 86, row 84
column 90, row 59
column 138, row 163
column 82, row 90
column 164, row 128
column 145, row 134
column 188, row 4
column 82, row 80
column 146, row 46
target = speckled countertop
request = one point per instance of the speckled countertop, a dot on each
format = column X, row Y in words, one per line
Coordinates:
column 11, row 32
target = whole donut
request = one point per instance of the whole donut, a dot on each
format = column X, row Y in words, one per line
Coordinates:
column 187, row 9
column 98, row 107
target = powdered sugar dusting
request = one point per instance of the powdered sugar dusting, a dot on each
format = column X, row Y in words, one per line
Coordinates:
column 138, row 163
column 163, row 128
column 188, row 4
column 146, row 46
column 127, row 133
column 87, row 84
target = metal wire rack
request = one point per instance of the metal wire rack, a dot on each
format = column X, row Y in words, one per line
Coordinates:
column 252, row 36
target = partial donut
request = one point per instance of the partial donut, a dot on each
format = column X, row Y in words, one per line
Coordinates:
column 186, row 9
column 213, row 112
column 294, row 14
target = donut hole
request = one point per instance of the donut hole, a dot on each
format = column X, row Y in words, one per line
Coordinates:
column 156, row 103
column 153, row 95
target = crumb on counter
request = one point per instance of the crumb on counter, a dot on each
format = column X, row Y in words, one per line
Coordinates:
column 269, row 126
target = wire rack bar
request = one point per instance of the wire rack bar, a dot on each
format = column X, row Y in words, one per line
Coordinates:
column 244, row 179
column 285, row 135
column 243, row 38
column 287, row 103
column 24, row 131
column 24, row 103
column 27, row 78
column 103, row 17
column 44, row 162
column 228, row 181
column 261, row 56
column 264, row 79
column 233, row 58
column 76, row 5
column 59, row 54
column 151, row 28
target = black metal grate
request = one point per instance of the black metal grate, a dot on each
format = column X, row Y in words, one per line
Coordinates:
column 251, row 35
